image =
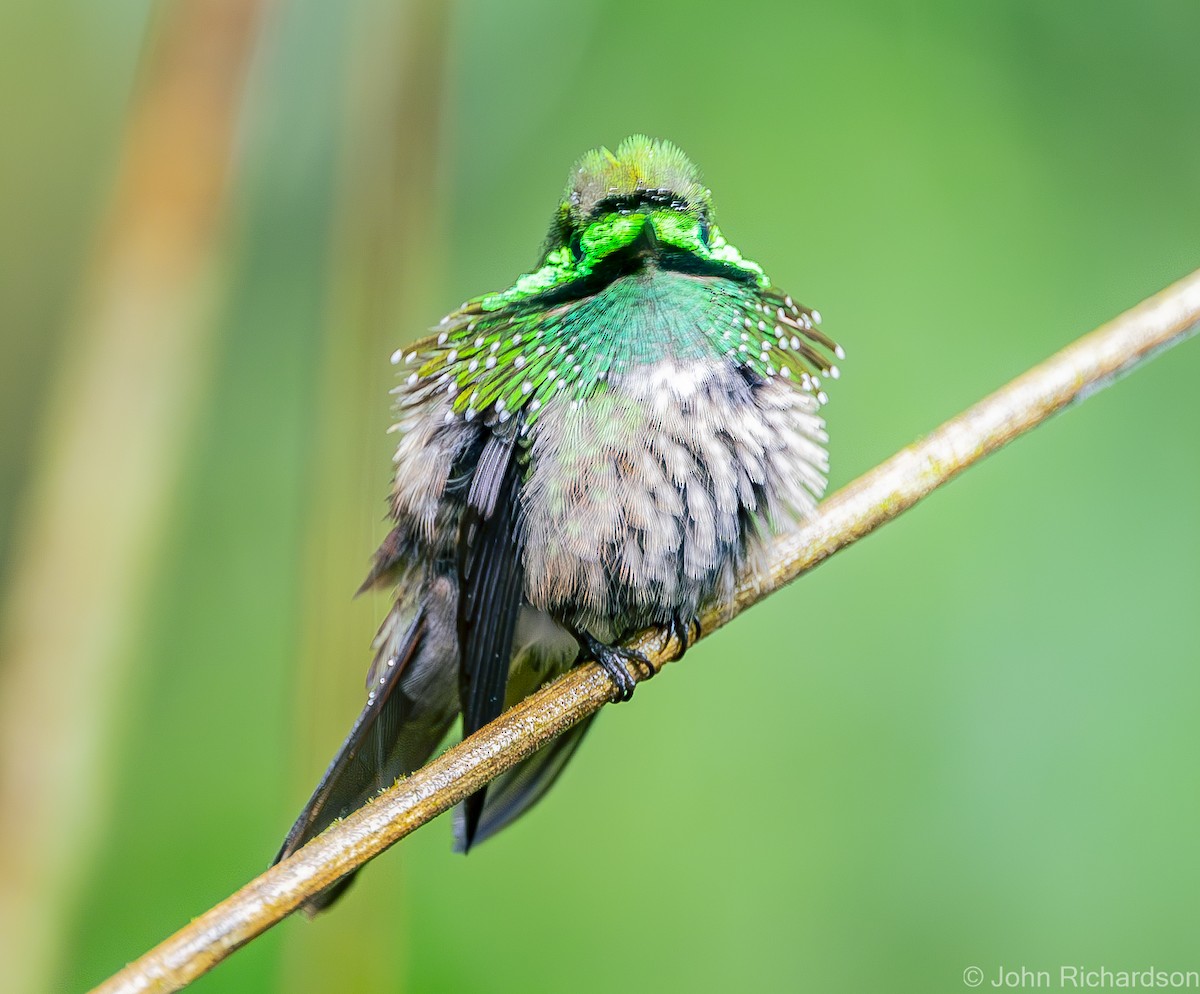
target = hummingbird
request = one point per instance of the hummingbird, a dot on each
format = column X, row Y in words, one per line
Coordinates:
column 599, row 449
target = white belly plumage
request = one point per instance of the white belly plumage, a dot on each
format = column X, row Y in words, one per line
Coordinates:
column 645, row 500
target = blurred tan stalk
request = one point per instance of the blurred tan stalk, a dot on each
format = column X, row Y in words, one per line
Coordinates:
column 874, row 499
column 92, row 524
column 382, row 259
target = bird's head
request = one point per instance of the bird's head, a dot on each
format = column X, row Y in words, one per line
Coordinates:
column 642, row 204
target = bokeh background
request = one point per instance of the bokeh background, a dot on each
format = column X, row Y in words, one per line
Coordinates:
column 971, row 740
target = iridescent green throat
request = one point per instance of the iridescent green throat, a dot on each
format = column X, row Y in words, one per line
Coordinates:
column 635, row 271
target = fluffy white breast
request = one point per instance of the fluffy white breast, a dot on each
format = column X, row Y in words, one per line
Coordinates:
column 643, row 500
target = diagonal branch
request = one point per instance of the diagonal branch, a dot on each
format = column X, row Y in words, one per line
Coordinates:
column 1072, row 375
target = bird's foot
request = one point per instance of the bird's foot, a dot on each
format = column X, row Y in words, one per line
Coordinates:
column 681, row 632
column 615, row 660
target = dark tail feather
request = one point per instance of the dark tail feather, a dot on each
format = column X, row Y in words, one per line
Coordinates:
column 413, row 700
column 513, row 793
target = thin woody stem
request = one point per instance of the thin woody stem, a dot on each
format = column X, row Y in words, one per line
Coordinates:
column 880, row 495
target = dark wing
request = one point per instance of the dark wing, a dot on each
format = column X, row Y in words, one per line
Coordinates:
column 513, row 793
column 408, row 712
column 491, row 578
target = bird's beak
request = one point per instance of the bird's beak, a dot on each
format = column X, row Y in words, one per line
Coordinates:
column 646, row 242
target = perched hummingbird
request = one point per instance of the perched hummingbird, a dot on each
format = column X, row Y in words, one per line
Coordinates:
column 596, row 450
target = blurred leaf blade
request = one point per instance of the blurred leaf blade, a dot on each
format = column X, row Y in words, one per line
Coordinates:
column 96, row 507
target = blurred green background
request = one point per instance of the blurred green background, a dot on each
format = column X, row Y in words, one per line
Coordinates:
column 971, row 740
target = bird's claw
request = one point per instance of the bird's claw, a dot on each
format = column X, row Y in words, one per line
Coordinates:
column 681, row 632
column 615, row 660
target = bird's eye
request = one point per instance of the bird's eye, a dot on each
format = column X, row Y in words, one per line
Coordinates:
column 702, row 230
column 576, row 245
